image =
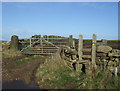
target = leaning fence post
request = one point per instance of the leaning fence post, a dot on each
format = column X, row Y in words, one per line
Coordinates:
column 80, row 47
column 94, row 50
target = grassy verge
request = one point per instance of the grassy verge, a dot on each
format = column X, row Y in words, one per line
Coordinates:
column 10, row 53
column 27, row 59
column 54, row 74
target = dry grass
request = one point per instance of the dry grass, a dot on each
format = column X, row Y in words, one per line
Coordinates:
column 51, row 64
column 10, row 53
column 7, row 52
column 54, row 74
column 47, row 71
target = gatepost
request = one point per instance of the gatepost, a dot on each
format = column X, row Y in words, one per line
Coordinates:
column 14, row 42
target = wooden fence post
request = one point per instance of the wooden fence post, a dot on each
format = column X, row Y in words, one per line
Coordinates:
column 94, row 50
column 74, row 43
column 71, row 41
column 41, row 42
column 80, row 47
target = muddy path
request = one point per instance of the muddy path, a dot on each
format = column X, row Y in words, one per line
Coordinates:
column 7, row 61
column 24, row 72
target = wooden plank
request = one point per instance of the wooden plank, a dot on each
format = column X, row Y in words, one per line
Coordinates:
column 87, row 50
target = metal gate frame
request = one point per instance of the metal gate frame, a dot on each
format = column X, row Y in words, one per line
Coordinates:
column 46, row 50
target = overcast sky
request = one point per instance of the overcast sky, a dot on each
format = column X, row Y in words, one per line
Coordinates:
column 62, row 18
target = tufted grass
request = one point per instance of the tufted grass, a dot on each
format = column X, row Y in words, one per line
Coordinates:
column 10, row 53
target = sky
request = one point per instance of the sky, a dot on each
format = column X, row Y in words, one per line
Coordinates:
column 60, row 0
column 60, row 18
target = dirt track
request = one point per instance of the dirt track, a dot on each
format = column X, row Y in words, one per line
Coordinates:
column 24, row 72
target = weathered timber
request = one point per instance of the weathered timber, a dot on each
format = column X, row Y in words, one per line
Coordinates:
column 87, row 50
column 94, row 50
column 80, row 47
column 71, row 40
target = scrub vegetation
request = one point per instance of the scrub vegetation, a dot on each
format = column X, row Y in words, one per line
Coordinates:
column 54, row 74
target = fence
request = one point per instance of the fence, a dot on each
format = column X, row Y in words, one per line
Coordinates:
column 44, row 45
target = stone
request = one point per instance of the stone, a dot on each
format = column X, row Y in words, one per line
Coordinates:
column 101, row 54
column 67, row 53
column 73, row 57
column 104, row 49
column 115, row 53
column 14, row 42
